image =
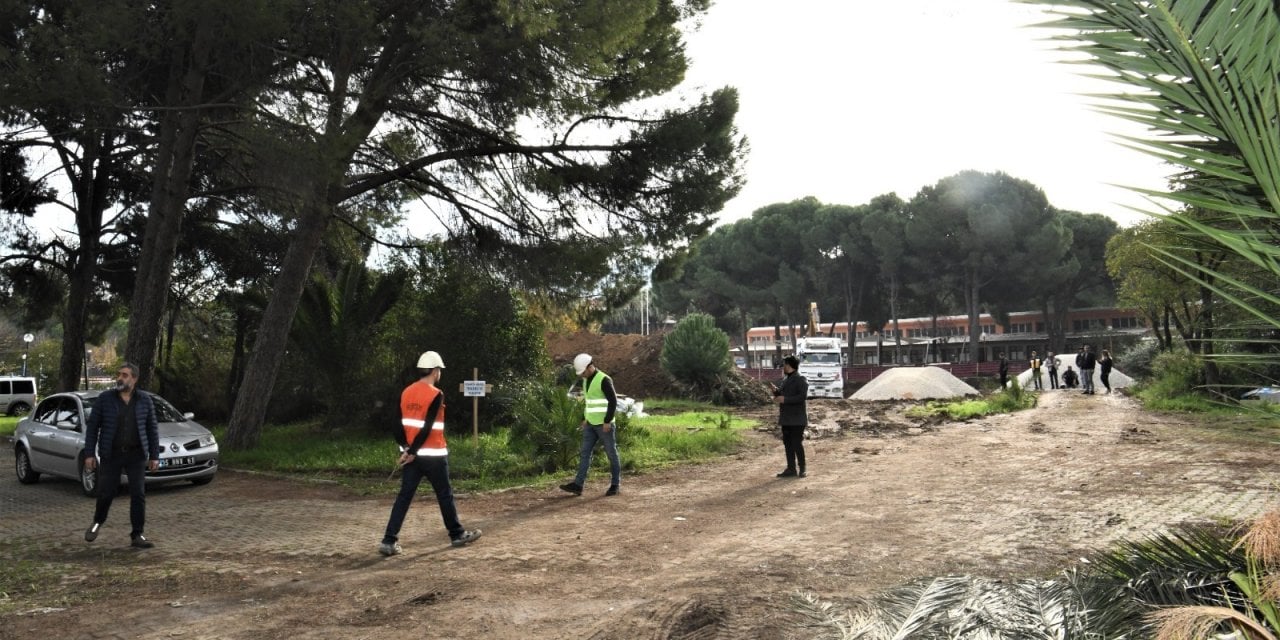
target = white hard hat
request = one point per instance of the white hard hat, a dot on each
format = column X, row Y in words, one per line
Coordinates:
column 580, row 363
column 430, row 360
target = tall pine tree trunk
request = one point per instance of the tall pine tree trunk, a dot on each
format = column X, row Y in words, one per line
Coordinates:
column 170, row 187
column 90, row 182
column 971, row 307
column 250, row 411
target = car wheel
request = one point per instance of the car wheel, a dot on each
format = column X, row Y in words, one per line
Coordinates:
column 88, row 480
column 201, row 481
column 19, row 409
column 22, row 464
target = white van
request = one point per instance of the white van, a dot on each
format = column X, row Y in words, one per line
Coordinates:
column 17, row 395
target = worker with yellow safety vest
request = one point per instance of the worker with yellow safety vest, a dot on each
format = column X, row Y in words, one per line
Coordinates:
column 424, row 454
column 597, row 424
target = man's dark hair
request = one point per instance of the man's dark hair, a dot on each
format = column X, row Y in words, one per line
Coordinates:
column 791, row 361
column 133, row 369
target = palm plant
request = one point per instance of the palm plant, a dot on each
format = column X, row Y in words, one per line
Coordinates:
column 1195, row 579
column 1206, row 76
column 334, row 327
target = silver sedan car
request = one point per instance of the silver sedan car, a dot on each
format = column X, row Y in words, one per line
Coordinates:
column 51, row 438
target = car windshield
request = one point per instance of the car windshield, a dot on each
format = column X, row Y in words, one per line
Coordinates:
column 165, row 412
column 822, row 358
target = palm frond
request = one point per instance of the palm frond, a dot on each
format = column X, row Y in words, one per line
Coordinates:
column 1202, row 78
column 1187, row 566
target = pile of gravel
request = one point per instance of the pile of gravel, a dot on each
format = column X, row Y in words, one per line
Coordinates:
column 914, row 383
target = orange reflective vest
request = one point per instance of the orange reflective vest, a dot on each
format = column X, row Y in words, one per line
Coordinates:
column 414, row 403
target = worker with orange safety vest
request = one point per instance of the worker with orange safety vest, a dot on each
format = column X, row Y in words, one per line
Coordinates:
column 423, row 454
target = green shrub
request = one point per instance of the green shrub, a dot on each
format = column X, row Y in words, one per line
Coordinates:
column 547, row 420
column 696, row 352
column 1176, row 374
column 1137, row 362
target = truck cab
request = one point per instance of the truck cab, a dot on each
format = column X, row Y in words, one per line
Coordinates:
column 822, row 366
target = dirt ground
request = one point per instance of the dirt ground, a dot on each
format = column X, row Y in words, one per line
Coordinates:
column 709, row 551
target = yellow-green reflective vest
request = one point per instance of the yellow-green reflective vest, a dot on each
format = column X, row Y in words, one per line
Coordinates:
column 597, row 402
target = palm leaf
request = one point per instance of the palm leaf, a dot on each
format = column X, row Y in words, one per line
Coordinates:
column 1202, row 78
column 1188, row 566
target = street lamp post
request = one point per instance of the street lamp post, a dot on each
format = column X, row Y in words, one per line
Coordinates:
column 87, row 354
column 27, row 338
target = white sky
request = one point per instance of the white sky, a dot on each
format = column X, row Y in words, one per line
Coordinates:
column 845, row 100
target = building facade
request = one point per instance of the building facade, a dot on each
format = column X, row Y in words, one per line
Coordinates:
column 946, row 339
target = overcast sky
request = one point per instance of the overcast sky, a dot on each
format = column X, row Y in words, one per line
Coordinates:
column 845, row 100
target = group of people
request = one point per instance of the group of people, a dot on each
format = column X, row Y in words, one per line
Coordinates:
column 122, row 437
column 1086, row 363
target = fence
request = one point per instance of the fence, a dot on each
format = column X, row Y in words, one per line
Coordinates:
column 865, row 372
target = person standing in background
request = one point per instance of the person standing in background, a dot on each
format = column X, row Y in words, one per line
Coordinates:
column 793, row 416
column 1104, row 369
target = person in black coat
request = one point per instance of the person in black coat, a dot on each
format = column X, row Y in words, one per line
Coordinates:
column 122, row 435
column 1104, row 369
column 793, row 416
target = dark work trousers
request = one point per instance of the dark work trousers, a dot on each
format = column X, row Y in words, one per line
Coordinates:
column 793, row 443
column 436, row 470
column 134, row 464
column 1053, row 379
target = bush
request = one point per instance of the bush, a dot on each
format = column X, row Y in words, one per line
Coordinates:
column 1137, row 362
column 1177, row 373
column 548, row 422
column 696, row 353
column 546, row 419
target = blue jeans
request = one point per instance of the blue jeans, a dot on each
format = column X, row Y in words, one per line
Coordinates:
column 1086, row 379
column 436, row 470
column 134, row 464
column 590, row 436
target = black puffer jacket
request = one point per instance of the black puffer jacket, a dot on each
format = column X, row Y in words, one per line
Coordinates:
column 794, row 389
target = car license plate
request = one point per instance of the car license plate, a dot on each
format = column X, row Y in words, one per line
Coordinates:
column 176, row 462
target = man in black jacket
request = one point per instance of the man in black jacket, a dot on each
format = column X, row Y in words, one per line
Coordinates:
column 123, row 435
column 793, row 416
column 1088, row 360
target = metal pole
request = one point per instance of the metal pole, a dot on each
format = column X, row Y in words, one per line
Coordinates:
column 475, row 412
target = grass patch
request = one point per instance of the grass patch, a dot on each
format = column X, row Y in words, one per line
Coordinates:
column 26, row 584
column 694, row 420
column 8, row 424
column 364, row 462
column 1008, row 401
column 673, row 405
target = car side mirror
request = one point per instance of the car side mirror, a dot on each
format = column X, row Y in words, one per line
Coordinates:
column 189, row 416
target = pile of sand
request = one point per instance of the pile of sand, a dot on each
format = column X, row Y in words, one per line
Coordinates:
column 914, row 383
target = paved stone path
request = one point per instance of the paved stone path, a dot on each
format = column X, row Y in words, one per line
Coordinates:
column 723, row 542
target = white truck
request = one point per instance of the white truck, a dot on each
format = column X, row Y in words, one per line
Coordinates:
column 822, row 366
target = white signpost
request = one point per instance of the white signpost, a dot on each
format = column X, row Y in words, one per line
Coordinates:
column 475, row 389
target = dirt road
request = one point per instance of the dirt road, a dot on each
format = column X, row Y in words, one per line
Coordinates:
column 709, row 551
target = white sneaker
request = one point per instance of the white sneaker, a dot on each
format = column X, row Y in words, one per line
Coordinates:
column 389, row 548
column 467, row 536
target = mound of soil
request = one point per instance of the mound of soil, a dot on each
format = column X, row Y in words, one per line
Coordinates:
column 630, row 359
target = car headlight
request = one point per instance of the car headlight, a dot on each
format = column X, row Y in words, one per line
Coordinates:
column 208, row 441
